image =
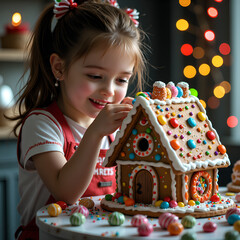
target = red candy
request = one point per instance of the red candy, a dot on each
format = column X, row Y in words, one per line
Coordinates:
column 174, row 122
column 209, row 227
column 62, row 204
column 231, row 211
column 211, row 135
column 215, row 198
column 145, row 229
column 167, row 199
column 166, row 218
column 138, row 220
column 117, row 195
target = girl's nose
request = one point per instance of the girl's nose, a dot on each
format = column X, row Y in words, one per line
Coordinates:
column 108, row 89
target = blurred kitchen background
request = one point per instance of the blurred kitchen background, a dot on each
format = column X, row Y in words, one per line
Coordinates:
column 197, row 41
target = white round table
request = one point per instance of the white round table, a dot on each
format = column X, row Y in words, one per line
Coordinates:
column 97, row 227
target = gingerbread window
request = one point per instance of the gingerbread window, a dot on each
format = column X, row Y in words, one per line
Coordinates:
column 143, row 144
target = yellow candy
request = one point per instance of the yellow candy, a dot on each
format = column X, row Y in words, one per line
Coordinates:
column 201, row 116
column 169, row 93
column 54, row 210
column 230, row 194
column 181, row 204
column 158, row 203
column 162, row 120
column 236, row 226
column 191, row 202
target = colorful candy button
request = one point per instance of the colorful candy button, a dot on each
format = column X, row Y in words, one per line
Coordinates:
column 180, row 91
column 175, row 144
column 211, row 135
column 162, row 120
column 192, row 122
column 201, row 116
column 191, row 144
column 174, row 122
column 222, row 149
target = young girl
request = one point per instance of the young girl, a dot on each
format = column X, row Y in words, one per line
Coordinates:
column 74, row 100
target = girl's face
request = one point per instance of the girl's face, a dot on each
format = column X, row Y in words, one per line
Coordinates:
column 94, row 81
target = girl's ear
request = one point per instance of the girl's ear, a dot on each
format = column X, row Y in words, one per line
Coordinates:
column 57, row 66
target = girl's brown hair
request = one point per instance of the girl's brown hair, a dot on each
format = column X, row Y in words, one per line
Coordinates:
column 93, row 22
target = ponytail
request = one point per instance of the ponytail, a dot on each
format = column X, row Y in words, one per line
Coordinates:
column 39, row 90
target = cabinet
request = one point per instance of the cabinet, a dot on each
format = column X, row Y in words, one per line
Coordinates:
column 9, row 197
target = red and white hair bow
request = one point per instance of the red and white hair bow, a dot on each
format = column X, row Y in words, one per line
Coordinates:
column 132, row 13
column 61, row 7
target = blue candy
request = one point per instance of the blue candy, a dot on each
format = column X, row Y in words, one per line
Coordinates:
column 164, row 205
column 192, row 122
column 191, row 144
column 233, row 218
column 180, row 91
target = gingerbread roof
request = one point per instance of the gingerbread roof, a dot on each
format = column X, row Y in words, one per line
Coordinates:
column 184, row 131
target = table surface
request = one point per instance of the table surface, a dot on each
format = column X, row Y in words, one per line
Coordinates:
column 97, row 227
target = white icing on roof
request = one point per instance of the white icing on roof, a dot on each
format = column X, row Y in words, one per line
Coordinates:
column 176, row 161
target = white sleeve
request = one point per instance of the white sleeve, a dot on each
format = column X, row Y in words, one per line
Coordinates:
column 39, row 134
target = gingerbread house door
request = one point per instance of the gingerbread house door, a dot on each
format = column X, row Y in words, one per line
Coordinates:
column 143, row 187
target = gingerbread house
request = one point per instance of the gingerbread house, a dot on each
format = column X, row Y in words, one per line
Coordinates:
column 167, row 148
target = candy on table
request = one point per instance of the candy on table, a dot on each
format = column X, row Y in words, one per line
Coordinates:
column 80, row 209
column 189, row 236
column 237, row 197
column 116, row 219
column 236, row 226
column 145, row 229
column 233, row 218
column 87, row 202
column 77, row 219
column 188, row 221
column 209, row 227
column 231, row 235
column 54, row 210
column 62, row 204
column 175, row 228
column 231, row 211
column 138, row 219
column 166, row 218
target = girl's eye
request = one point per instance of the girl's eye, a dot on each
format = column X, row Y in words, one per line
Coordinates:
column 94, row 76
column 123, row 80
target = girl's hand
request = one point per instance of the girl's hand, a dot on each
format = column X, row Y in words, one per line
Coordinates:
column 127, row 100
column 110, row 119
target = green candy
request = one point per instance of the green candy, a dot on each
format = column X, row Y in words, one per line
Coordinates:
column 189, row 236
column 116, row 219
column 231, row 235
column 77, row 219
column 108, row 197
column 188, row 221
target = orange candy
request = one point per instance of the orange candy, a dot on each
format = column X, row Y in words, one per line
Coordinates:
column 175, row 228
column 129, row 202
column 222, row 149
column 175, row 144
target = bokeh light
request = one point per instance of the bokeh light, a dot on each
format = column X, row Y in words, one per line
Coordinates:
column 219, row 92
column 213, row 102
column 224, row 49
column 232, row 121
column 184, row 3
column 204, row 69
column 186, row 49
column 189, row 71
column 212, row 12
column 203, row 103
column 217, row 61
column 226, row 85
column 198, row 52
column 193, row 92
column 182, row 25
column 16, row 19
column 218, row 1
column 209, row 35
